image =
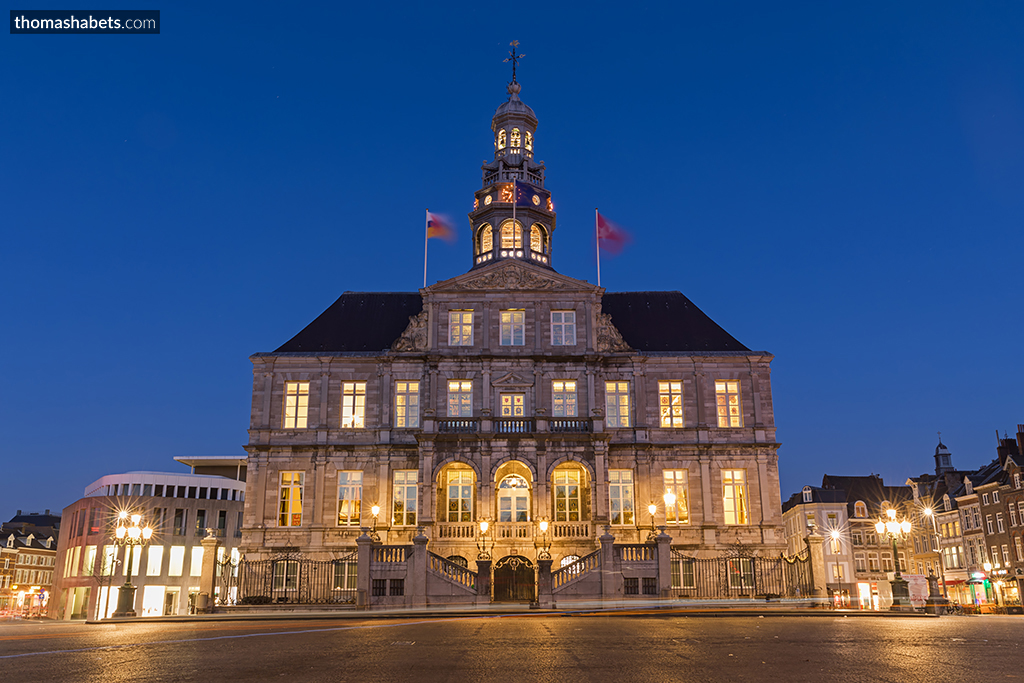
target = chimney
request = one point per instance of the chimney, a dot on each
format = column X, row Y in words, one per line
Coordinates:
column 47, row 510
column 19, row 514
column 1020, row 438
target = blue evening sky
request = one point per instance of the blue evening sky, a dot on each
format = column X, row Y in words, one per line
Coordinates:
column 837, row 183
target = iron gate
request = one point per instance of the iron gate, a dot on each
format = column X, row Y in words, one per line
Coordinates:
column 288, row 578
column 741, row 576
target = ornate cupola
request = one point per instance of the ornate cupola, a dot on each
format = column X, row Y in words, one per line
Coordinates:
column 512, row 215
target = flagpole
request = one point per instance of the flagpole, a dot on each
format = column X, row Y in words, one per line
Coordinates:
column 597, row 243
column 426, row 237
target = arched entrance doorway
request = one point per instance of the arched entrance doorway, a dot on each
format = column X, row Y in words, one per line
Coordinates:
column 514, row 580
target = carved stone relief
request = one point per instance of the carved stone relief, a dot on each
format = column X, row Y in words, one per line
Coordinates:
column 608, row 337
column 415, row 336
column 513, row 277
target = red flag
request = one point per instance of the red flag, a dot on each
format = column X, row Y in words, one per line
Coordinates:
column 439, row 226
column 611, row 237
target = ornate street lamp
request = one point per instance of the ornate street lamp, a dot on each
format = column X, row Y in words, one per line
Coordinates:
column 483, row 549
column 653, row 510
column 375, row 510
column 129, row 533
column 928, row 512
column 545, row 546
column 896, row 530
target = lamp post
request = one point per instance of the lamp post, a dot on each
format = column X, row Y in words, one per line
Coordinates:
column 483, row 549
column 375, row 510
column 545, row 546
column 928, row 512
column 895, row 530
column 653, row 510
column 129, row 533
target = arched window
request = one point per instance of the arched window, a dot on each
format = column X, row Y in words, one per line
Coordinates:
column 860, row 509
column 459, row 560
column 515, row 139
column 529, row 141
column 568, row 559
column 538, row 238
column 485, row 240
column 511, row 235
column 808, row 494
column 513, row 499
column 501, row 139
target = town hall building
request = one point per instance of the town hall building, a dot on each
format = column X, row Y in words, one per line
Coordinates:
column 511, row 415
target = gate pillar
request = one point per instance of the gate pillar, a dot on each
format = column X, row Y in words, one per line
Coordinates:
column 364, row 545
column 544, row 597
column 416, row 568
column 664, row 562
column 611, row 575
column 483, row 581
column 816, row 550
column 207, row 577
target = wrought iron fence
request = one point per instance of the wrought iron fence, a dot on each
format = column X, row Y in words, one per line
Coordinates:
column 289, row 578
column 741, row 576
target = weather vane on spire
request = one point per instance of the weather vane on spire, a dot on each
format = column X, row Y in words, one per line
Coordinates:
column 514, row 58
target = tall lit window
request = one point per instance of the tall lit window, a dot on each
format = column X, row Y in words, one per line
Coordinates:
column 291, row 499
column 513, row 405
column 460, row 398
column 670, row 403
column 727, row 396
column 155, row 561
column 734, row 496
column 407, row 404
column 353, row 405
column 486, row 241
column 515, row 139
column 563, row 328
column 537, row 239
column 511, row 234
column 296, row 404
column 676, row 490
column 404, row 497
column 529, row 140
column 620, row 495
column 460, row 496
column 1018, row 544
column 350, row 494
column 513, row 499
column 567, row 495
column 999, row 522
column 176, row 561
column 501, row 139
column 1013, row 514
column 460, row 328
column 563, row 398
column 616, row 404
column 513, row 328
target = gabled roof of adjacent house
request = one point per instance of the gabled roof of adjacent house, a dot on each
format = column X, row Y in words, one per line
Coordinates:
column 870, row 489
column 370, row 322
column 818, row 495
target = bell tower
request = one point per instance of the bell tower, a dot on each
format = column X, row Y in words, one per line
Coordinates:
column 512, row 216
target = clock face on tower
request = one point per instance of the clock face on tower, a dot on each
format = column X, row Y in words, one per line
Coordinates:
column 488, row 200
column 536, row 200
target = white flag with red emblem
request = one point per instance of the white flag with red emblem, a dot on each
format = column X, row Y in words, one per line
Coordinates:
column 611, row 237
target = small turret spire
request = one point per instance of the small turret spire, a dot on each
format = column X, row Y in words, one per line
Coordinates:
column 514, row 58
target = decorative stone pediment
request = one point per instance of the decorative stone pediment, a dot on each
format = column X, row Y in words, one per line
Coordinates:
column 514, row 276
column 512, row 381
column 415, row 336
column 608, row 337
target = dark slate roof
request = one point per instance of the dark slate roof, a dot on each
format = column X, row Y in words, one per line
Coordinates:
column 817, row 496
column 665, row 321
column 357, row 321
column 870, row 489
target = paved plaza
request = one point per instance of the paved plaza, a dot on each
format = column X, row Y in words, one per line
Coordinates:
column 522, row 647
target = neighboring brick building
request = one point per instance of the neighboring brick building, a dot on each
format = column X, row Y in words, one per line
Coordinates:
column 29, row 547
column 512, row 394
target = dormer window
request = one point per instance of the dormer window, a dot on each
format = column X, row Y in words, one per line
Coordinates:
column 501, row 139
column 860, row 510
column 808, row 494
column 515, row 138
column 968, row 486
column 946, row 504
column 529, row 141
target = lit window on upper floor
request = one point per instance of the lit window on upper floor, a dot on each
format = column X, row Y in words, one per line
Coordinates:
column 529, row 140
column 460, row 398
column 616, row 404
column 670, row 403
column 511, row 235
column 513, row 328
column 538, row 238
column 290, row 509
column 353, row 405
column 860, row 510
column 515, row 138
column 407, row 404
column 296, row 404
column 563, row 398
column 460, row 328
column 727, row 397
column 500, row 144
column 563, row 328
column 734, row 496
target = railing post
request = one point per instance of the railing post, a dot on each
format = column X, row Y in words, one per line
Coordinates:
column 664, row 542
column 544, row 598
column 483, row 582
column 416, row 570
column 816, row 560
column 364, row 546
column 209, row 571
column 611, row 575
